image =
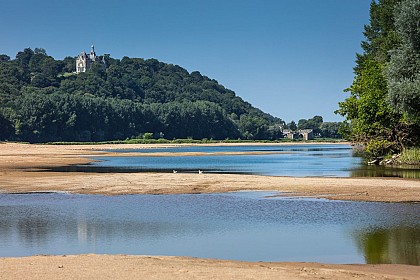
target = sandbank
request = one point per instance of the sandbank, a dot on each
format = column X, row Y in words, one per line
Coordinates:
column 23, row 170
column 157, row 267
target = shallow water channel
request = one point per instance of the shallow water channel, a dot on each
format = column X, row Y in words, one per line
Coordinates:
column 251, row 226
column 334, row 160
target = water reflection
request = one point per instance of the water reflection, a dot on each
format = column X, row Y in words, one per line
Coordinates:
column 250, row 226
column 396, row 245
column 408, row 172
column 33, row 230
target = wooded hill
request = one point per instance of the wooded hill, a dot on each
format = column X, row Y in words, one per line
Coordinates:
column 41, row 100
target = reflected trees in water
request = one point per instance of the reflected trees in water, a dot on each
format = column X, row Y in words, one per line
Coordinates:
column 408, row 172
column 398, row 245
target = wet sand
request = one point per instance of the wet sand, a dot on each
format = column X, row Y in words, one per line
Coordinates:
column 20, row 172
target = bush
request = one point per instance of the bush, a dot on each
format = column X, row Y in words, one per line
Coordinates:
column 410, row 156
column 379, row 148
column 148, row 135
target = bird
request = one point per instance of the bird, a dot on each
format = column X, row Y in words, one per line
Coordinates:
column 174, row 171
column 200, row 172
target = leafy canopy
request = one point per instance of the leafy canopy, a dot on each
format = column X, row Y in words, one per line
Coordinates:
column 41, row 99
column 382, row 111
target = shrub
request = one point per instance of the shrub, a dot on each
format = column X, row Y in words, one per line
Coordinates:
column 410, row 156
column 379, row 148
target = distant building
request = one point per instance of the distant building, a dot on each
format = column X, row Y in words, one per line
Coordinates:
column 290, row 134
column 306, row 134
column 84, row 60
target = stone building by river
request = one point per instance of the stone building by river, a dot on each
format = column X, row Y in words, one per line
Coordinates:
column 306, row 134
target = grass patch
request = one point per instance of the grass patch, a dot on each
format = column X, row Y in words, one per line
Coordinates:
column 410, row 156
column 67, row 74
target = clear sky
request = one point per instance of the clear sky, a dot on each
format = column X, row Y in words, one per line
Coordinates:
column 290, row 58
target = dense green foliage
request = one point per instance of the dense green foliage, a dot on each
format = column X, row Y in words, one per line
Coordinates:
column 403, row 71
column 320, row 128
column 410, row 156
column 41, row 99
column 313, row 123
column 382, row 112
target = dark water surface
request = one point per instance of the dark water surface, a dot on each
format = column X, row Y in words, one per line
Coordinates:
column 251, row 226
column 334, row 160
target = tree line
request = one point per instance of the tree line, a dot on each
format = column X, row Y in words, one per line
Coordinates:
column 319, row 127
column 42, row 99
column 383, row 110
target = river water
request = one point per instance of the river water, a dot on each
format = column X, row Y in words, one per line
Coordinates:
column 334, row 160
column 249, row 226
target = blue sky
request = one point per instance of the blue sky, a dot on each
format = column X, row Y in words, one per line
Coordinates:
column 290, row 58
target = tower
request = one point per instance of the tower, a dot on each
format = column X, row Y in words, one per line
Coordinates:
column 92, row 54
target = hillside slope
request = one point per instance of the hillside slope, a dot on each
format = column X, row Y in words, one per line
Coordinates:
column 41, row 99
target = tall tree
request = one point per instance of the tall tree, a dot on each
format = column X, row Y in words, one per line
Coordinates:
column 371, row 118
column 292, row 125
column 403, row 72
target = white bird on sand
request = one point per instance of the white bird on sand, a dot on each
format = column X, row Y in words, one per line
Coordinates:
column 200, row 172
column 174, row 171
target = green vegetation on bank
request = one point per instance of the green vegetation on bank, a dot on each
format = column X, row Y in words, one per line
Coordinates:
column 383, row 110
column 197, row 141
column 321, row 129
column 410, row 156
column 42, row 100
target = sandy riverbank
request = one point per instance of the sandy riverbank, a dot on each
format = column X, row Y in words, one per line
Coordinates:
column 145, row 267
column 20, row 172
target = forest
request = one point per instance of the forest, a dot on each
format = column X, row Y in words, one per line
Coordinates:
column 383, row 110
column 43, row 100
